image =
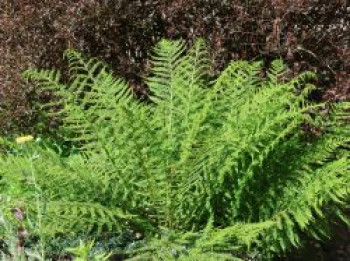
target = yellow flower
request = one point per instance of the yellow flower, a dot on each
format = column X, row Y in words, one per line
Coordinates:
column 24, row 139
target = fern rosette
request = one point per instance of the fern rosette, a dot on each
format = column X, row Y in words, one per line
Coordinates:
column 224, row 164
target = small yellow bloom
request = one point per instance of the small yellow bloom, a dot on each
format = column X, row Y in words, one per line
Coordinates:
column 24, row 139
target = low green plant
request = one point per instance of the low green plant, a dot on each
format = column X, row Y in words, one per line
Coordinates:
column 83, row 253
column 225, row 166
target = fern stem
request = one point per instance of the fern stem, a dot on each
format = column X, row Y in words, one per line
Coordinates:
column 39, row 208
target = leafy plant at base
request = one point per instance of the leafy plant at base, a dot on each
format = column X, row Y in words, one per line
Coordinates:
column 83, row 252
column 225, row 166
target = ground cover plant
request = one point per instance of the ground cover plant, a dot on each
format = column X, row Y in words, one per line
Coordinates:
column 206, row 170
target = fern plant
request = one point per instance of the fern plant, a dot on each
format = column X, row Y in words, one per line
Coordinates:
column 225, row 165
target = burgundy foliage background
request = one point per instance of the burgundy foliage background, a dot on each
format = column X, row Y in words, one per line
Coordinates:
column 308, row 34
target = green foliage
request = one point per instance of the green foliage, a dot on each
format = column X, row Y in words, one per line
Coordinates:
column 83, row 252
column 224, row 165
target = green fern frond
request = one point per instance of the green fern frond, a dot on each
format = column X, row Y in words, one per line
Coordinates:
column 165, row 59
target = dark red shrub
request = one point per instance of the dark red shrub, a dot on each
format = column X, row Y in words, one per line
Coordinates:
column 308, row 34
